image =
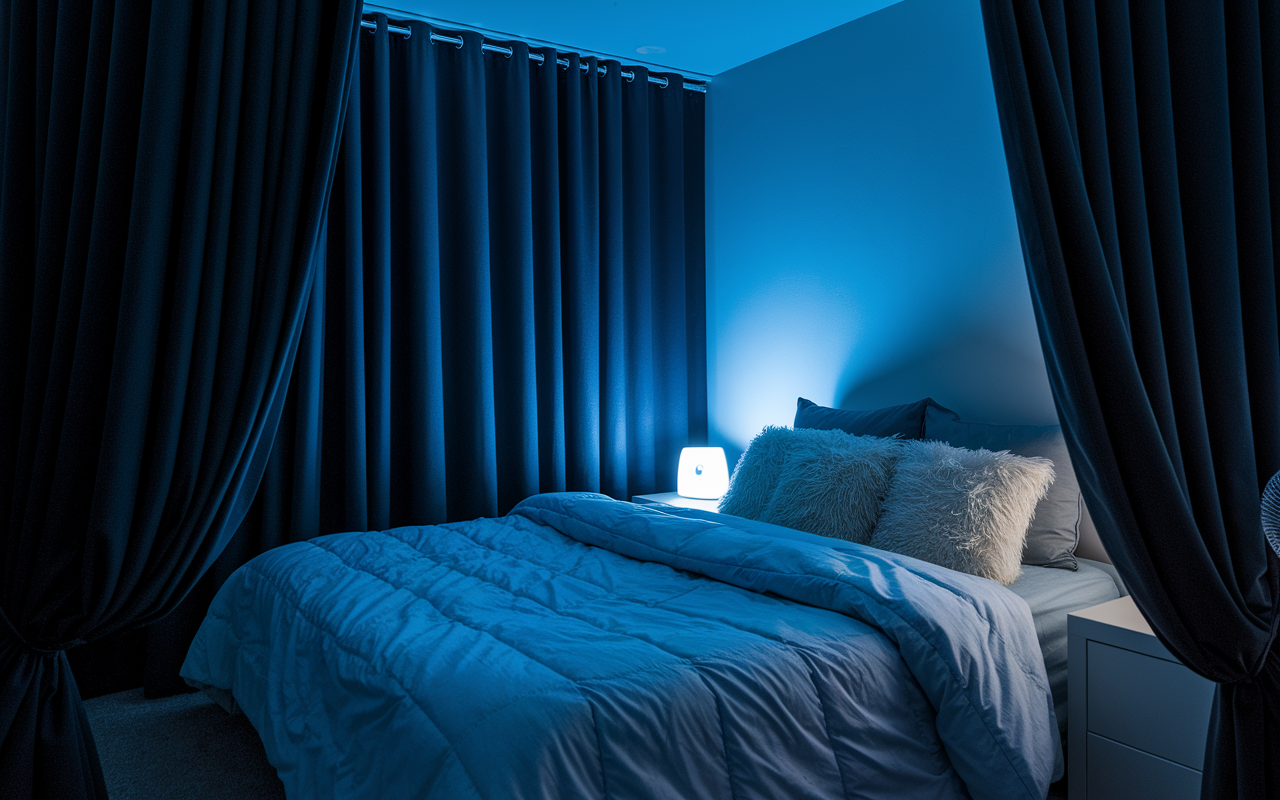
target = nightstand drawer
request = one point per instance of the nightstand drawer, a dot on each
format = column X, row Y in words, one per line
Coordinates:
column 1117, row 772
column 1148, row 703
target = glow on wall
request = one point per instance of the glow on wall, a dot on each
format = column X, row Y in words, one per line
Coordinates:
column 861, row 239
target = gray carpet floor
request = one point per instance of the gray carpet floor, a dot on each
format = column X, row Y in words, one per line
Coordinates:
column 178, row 748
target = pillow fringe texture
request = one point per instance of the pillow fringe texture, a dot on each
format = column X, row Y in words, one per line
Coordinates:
column 1060, row 515
column 756, row 474
column 968, row 510
column 826, row 482
column 833, row 484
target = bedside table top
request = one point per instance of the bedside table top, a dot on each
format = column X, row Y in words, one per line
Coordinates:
column 1118, row 622
column 1121, row 612
column 674, row 499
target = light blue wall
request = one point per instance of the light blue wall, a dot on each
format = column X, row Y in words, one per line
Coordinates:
column 862, row 244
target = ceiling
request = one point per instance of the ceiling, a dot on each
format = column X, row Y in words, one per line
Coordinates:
column 696, row 37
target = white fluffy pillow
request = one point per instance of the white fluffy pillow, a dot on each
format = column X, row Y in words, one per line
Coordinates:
column 968, row 510
column 826, row 482
column 756, row 474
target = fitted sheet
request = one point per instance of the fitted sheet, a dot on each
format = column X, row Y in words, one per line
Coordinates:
column 1052, row 594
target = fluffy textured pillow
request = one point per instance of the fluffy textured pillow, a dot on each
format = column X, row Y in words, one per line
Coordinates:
column 1055, row 530
column 826, row 482
column 906, row 421
column 756, row 475
column 967, row 510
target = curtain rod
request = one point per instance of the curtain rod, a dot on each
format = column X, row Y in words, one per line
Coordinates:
column 457, row 41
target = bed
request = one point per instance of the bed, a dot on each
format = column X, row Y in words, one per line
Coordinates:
column 1050, row 594
column 586, row 647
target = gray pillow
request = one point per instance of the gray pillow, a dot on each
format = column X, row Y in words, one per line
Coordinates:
column 967, row 510
column 1055, row 531
column 826, row 482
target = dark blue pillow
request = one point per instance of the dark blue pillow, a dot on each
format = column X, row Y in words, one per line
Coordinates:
column 905, row 421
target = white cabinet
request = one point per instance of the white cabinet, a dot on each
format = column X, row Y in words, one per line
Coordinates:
column 1137, row 718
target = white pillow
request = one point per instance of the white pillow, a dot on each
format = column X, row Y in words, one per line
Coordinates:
column 756, row 474
column 826, row 482
column 967, row 510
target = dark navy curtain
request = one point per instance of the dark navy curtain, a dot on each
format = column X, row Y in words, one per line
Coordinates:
column 513, row 301
column 514, row 295
column 1139, row 138
column 163, row 181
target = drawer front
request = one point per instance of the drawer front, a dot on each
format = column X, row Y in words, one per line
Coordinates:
column 1117, row 772
column 1149, row 703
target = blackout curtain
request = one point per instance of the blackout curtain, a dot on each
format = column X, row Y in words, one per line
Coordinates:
column 1138, row 138
column 512, row 301
column 164, row 177
column 514, row 295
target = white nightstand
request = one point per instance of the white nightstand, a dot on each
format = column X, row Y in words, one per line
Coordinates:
column 1137, row 719
column 674, row 499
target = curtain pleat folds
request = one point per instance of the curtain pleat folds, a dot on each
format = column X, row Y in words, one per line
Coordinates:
column 505, row 301
column 164, row 177
column 512, row 300
column 1139, row 138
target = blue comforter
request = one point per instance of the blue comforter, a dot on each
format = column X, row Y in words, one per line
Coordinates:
column 582, row 647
